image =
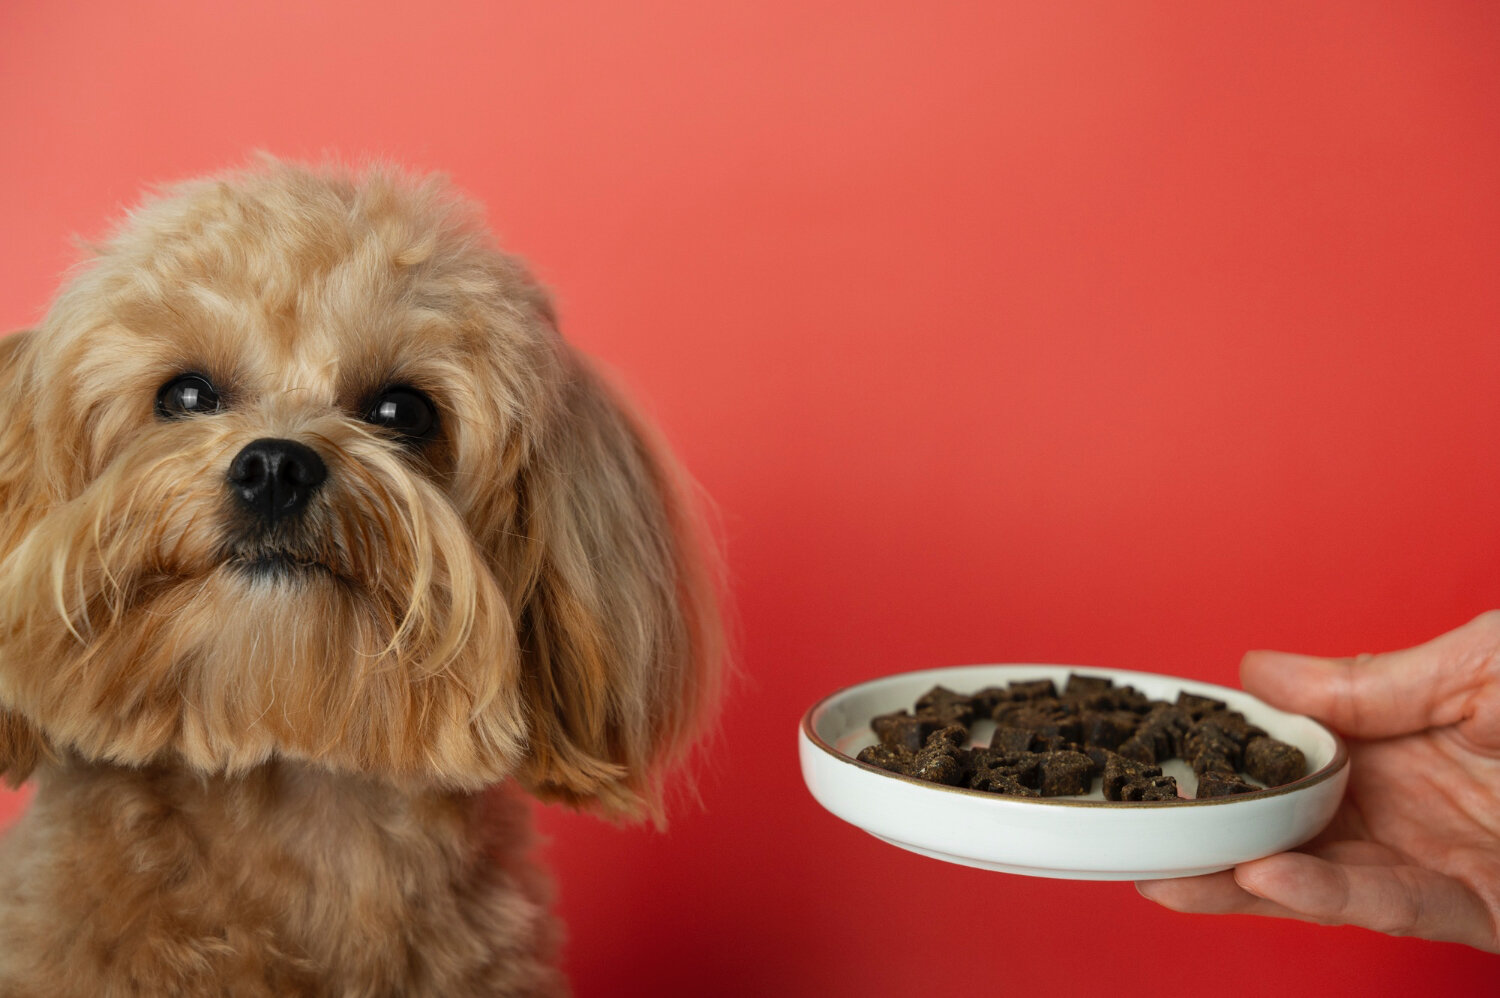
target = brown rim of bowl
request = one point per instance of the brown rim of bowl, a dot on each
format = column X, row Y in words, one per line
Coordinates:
column 1339, row 761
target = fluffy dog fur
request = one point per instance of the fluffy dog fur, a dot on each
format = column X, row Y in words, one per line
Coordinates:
column 287, row 761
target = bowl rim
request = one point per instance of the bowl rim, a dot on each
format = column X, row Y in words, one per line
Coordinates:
column 1339, row 761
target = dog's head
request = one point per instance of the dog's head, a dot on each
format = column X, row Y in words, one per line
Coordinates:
column 298, row 466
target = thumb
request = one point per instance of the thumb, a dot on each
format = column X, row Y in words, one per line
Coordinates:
column 1438, row 683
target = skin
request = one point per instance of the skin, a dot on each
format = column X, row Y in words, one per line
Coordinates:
column 1415, row 847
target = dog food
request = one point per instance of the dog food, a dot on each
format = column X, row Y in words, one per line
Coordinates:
column 1051, row 744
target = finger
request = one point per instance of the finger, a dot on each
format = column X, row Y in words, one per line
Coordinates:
column 1396, row 900
column 1209, row 894
column 1380, row 696
column 1354, row 853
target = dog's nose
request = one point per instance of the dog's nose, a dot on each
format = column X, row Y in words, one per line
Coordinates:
column 275, row 478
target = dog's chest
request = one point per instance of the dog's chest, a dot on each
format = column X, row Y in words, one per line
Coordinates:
column 287, row 883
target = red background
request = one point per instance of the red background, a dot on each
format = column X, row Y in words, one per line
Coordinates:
column 1125, row 334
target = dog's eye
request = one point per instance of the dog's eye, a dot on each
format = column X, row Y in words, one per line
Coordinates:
column 188, row 394
column 405, row 411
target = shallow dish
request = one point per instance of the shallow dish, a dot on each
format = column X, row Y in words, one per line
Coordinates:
column 1078, row 838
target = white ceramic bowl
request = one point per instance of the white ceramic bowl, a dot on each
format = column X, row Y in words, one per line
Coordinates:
column 1079, row 838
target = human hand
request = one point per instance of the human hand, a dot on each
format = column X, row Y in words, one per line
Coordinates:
column 1414, row 849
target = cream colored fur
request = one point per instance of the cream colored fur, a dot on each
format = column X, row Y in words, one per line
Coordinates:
column 306, row 784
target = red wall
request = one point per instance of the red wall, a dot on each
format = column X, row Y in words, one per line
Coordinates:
column 1125, row 334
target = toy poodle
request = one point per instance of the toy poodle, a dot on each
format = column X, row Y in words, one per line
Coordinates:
column 319, row 548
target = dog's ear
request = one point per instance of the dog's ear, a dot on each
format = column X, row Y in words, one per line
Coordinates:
column 620, row 625
column 17, row 432
column 21, row 746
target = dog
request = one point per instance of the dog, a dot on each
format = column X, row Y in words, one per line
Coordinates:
column 320, row 549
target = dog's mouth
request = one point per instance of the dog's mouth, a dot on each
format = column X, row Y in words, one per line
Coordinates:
column 278, row 565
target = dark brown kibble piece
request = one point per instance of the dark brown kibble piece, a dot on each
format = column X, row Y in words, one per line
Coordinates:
column 1209, row 747
column 946, row 706
column 937, row 766
column 1131, row 699
column 987, row 699
column 901, row 730
column 1212, row 733
column 1021, row 766
column 1152, row 788
column 1078, row 685
column 955, row 735
column 1020, row 714
column 994, row 782
column 1169, row 724
column 1011, row 739
column 943, row 759
column 1107, row 729
column 1067, row 728
column 1104, row 700
column 1046, row 721
column 1139, row 748
column 1120, row 771
column 1212, row 762
column 1233, row 723
column 1273, row 762
column 1199, row 706
column 1037, row 689
column 1098, row 756
column 1213, row 784
column 1065, row 774
column 893, row 760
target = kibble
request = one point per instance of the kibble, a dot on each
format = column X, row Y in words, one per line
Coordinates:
column 1051, row 744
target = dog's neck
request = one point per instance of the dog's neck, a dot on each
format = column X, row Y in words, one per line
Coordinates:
column 347, row 878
